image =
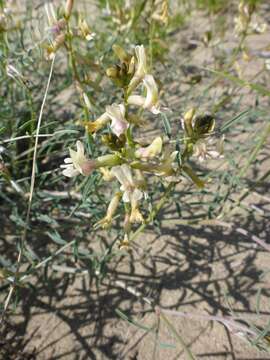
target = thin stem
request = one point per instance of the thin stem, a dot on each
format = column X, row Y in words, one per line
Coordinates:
column 154, row 212
column 32, row 186
column 177, row 335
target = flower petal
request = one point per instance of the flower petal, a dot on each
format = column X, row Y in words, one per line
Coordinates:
column 117, row 115
column 118, row 173
column 127, row 172
column 70, row 172
column 141, row 58
column 118, row 127
column 151, row 100
column 68, row 160
column 80, row 148
column 136, row 195
column 126, row 196
column 137, row 100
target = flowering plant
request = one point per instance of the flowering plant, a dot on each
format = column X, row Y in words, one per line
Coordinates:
column 128, row 161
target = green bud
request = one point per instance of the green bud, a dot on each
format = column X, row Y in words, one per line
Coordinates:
column 112, row 72
column 107, row 160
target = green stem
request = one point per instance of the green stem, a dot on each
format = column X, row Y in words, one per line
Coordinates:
column 154, row 212
column 78, row 80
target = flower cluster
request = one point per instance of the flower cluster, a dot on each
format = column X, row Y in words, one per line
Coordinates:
column 246, row 21
column 198, row 136
column 9, row 19
column 128, row 161
column 58, row 28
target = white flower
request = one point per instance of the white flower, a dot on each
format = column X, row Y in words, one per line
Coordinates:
column 78, row 163
column 206, row 149
column 267, row 64
column 116, row 113
column 91, row 36
column 151, row 101
column 130, row 192
column 258, row 27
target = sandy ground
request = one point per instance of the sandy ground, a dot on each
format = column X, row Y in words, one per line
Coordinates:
column 195, row 269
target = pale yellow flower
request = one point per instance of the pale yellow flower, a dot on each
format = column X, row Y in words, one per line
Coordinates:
column 135, row 215
column 116, row 113
column 151, row 101
column 85, row 30
column 94, row 126
column 209, row 149
column 151, row 150
column 130, row 192
column 124, row 244
column 106, row 173
column 141, row 68
column 113, row 205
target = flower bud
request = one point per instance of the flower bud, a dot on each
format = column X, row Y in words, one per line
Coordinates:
column 187, row 121
column 113, row 205
column 85, row 30
column 68, row 8
column 120, row 53
column 124, row 244
column 57, row 43
column 163, row 15
column 141, row 69
column 112, row 72
column 131, row 66
column 88, row 167
column 86, row 101
column 188, row 116
column 108, row 160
